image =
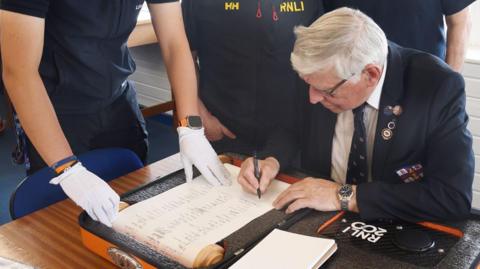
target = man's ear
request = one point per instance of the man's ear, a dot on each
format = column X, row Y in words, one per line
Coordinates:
column 373, row 74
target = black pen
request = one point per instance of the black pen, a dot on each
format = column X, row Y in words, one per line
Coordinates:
column 256, row 171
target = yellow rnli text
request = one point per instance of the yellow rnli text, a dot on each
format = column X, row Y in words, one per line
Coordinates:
column 292, row 6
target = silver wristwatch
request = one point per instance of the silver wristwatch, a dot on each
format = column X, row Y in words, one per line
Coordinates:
column 345, row 193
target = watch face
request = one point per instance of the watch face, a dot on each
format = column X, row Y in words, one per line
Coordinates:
column 195, row 122
column 345, row 191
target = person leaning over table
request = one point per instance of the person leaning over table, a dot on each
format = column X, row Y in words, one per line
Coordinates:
column 249, row 93
column 66, row 65
column 387, row 124
column 420, row 24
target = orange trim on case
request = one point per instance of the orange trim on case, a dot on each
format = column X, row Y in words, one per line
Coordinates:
column 100, row 247
column 441, row 228
column 329, row 222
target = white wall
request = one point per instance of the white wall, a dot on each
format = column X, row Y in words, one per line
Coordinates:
column 471, row 73
column 150, row 79
column 475, row 31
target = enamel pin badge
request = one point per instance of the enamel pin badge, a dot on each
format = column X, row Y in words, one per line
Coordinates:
column 410, row 173
column 387, row 133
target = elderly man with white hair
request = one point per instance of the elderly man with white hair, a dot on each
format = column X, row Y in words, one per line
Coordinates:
column 385, row 132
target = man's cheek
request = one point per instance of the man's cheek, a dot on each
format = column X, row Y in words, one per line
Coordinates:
column 330, row 106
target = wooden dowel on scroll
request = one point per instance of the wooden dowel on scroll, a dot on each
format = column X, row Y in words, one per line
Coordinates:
column 209, row 255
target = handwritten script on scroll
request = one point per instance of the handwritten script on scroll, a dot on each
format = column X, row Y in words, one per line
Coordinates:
column 180, row 222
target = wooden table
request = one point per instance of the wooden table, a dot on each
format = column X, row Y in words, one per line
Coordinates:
column 50, row 238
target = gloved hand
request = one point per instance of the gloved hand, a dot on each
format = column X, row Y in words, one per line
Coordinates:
column 89, row 192
column 195, row 149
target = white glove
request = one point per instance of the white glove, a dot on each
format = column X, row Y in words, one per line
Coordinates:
column 89, row 192
column 195, row 149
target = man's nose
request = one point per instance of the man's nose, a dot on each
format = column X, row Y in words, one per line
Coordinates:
column 315, row 95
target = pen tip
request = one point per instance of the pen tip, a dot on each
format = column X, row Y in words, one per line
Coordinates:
column 259, row 193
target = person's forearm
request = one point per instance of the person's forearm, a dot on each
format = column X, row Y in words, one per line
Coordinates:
column 181, row 73
column 21, row 41
column 37, row 116
column 202, row 109
column 168, row 25
column 458, row 32
column 456, row 47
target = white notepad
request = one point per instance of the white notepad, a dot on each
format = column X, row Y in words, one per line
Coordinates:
column 286, row 250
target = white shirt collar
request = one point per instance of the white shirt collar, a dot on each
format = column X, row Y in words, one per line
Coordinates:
column 374, row 99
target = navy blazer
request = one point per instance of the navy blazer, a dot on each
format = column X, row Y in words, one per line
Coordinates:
column 431, row 131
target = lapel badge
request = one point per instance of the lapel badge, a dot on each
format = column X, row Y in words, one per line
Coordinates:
column 391, row 125
column 387, row 134
column 397, row 110
column 388, row 110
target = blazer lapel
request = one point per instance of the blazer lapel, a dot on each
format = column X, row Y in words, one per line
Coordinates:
column 392, row 94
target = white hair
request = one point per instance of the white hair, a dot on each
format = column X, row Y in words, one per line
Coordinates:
column 345, row 40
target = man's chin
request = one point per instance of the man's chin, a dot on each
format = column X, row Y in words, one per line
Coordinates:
column 336, row 110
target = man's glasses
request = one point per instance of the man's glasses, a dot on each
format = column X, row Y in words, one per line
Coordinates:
column 338, row 85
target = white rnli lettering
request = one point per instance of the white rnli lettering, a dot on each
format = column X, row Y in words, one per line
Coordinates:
column 365, row 231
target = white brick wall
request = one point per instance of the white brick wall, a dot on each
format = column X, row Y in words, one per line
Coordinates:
column 475, row 32
column 471, row 73
column 150, row 79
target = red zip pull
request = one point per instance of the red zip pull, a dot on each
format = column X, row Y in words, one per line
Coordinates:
column 274, row 13
column 259, row 10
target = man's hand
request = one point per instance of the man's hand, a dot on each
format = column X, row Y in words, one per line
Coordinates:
column 89, row 192
column 319, row 194
column 214, row 129
column 268, row 170
column 196, row 150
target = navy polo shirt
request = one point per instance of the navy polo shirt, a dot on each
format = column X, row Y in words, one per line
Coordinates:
column 243, row 48
column 85, row 60
column 415, row 24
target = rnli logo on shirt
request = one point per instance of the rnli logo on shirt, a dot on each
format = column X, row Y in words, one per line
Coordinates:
column 232, row 5
column 365, row 231
column 292, row 6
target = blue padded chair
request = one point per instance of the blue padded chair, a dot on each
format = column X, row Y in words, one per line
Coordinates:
column 35, row 192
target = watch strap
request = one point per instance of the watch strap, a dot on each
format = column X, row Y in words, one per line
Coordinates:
column 344, row 204
column 343, row 197
column 193, row 122
column 60, row 166
column 183, row 122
